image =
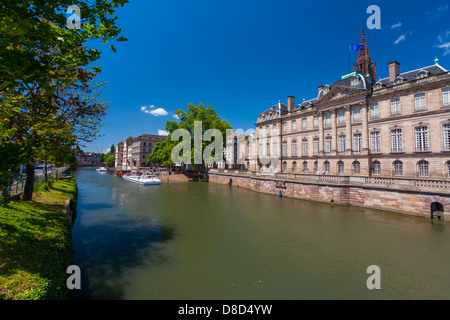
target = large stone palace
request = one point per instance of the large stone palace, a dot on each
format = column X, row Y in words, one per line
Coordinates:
column 398, row 126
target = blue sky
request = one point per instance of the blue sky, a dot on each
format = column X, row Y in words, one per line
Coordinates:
column 243, row 56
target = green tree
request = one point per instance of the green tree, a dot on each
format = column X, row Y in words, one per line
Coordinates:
column 43, row 72
column 209, row 119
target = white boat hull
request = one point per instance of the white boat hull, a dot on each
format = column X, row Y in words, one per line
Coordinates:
column 141, row 180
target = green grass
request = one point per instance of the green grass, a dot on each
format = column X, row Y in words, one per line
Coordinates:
column 36, row 244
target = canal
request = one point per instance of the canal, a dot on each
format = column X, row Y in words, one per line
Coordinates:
column 207, row 241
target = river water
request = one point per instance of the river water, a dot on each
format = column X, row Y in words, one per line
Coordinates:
column 208, row 241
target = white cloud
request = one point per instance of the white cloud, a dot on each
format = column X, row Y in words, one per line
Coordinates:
column 437, row 12
column 444, row 42
column 397, row 25
column 163, row 133
column 399, row 39
column 175, row 116
column 156, row 112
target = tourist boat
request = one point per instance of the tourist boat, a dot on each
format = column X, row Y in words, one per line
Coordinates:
column 144, row 179
column 101, row 169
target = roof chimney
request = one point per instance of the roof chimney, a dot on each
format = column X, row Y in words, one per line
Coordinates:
column 394, row 70
column 320, row 89
column 291, row 103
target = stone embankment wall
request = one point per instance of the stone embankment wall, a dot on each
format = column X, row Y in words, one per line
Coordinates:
column 402, row 201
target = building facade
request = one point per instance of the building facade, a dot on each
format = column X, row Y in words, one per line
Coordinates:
column 134, row 151
column 398, row 126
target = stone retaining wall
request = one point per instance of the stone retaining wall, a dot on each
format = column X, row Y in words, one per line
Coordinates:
column 406, row 201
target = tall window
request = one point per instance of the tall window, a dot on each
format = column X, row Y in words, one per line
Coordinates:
column 284, row 127
column 326, row 166
column 358, row 142
column 341, row 116
column 395, row 106
column 376, row 167
column 446, row 128
column 375, row 142
column 316, row 121
column 357, row 114
column 397, row 140
column 294, row 166
column 328, row 144
column 294, row 147
column 341, row 143
column 398, row 168
column 448, row 168
column 305, row 166
column 423, row 168
column 275, row 149
column 446, row 96
column 340, row 167
column 304, row 123
column 284, row 148
column 284, row 166
column 274, row 129
column 268, row 149
column 422, row 138
column 294, row 125
column 328, row 119
column 316, row 166
column 316, row 145
column 419, row 101
column 267, row 130
column 374, row 111
column 356, row 167
column 304, row 147
column 260, row 150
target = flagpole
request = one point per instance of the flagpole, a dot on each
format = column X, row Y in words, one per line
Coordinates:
column 349, row 58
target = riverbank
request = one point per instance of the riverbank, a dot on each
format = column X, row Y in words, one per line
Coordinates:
column 422, row 202
column 36, row 243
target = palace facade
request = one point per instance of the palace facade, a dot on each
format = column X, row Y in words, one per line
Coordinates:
column 398, row 126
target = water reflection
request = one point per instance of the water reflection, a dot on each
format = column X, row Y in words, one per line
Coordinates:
column 207, row 241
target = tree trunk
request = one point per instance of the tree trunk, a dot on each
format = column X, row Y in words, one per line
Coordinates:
column 29, row 183
column 45, row 171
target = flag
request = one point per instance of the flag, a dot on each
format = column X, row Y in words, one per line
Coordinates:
column 356, row 47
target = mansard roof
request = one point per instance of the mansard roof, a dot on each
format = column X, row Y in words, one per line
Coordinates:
column 412, row 75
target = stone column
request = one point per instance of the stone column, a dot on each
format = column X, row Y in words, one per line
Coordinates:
column 348, row 130
column 365, row 128
column 321, row 138
column 334, row 142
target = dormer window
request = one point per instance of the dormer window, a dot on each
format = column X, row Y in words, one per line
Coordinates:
column 398, row 80
column 355, row 81
column 378, row 86
column 325, row 90
column 422, row 74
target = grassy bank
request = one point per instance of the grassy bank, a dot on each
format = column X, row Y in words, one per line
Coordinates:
column 36, row 244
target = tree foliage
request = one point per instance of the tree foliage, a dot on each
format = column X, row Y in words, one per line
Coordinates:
column 209, row 118
column 49, row 101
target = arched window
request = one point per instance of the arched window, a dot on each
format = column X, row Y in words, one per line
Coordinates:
column 356, row 167
column 268, row 149
column 326, row 166
column 294, row 166
column 340, row 167
column 305, row 166
column 284, row 166
column 398, row 168
column 423, row 168
column 316, row 166
column 376, row 167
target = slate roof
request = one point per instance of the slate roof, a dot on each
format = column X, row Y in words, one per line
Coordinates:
column 411, row 75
